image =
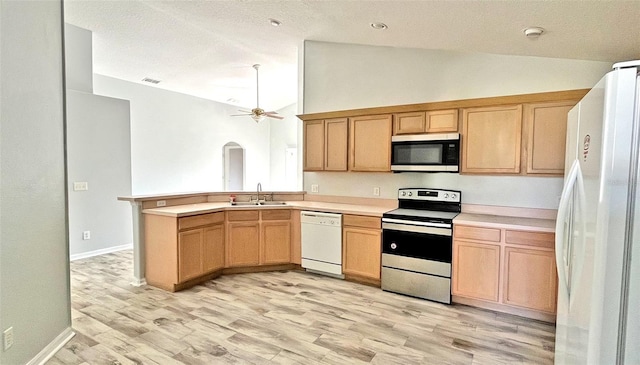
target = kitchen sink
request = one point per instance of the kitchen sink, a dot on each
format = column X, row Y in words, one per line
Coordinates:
column 257, row 203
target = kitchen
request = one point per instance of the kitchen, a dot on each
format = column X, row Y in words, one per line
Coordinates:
column 330, row 184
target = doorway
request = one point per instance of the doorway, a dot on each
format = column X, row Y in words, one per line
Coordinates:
column 233, row 167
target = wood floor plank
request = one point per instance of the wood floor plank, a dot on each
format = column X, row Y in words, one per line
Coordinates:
column 282, row 317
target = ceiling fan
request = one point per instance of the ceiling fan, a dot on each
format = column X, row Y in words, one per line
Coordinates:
column 258, row 114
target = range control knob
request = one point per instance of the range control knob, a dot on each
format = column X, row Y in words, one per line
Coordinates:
column 454, row 196
column 393, row 245
column 410, row 193
column 404, row 193
column 446, row 195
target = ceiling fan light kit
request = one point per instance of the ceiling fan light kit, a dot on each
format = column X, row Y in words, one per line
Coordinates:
column 258, row 114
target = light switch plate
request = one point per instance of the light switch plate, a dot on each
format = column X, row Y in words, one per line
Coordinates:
column 376, row 191
column 314, row 188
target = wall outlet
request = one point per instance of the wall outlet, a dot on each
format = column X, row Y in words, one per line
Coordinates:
column 86, row 235
column 376, row 191
column 161, row 203
column 314, row 188
column 7, row 337
column 80, row 186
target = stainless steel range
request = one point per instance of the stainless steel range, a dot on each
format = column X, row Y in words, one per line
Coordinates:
column 417, row 243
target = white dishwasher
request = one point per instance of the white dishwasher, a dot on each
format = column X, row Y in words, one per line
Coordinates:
column 321, row 236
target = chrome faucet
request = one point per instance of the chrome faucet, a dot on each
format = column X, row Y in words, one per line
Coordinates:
column 258, row 193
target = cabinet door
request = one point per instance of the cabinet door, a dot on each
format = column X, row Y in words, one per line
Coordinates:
column 441, row 121
column 361, row 250
column 491, row 140
column 189, row 254
column 276, row 242
column 530, row 279
column 408, row 123
column 370, row 143
column 243, row 245
column 313, row 145
column 476, row 270
column 213, row 248
column 335, row 144
column 546, row 132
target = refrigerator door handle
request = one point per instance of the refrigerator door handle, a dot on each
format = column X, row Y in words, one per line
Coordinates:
column 574, row 178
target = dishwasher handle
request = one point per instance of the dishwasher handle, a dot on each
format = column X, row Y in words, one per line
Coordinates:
column 306, row 213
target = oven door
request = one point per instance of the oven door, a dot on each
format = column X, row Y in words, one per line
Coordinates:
column 417, row 241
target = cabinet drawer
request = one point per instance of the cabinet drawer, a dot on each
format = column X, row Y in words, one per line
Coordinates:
column 243, row 215
column 273, row 215
column 477, row 233
column 538, row 239
column 361, row 221
column 200, row 220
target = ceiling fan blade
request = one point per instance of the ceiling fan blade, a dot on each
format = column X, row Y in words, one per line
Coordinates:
column 273, row 116
column 244, row 111
column 240, row 115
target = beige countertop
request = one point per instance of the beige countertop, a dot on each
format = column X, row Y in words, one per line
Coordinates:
column 202, row 208
column 499, row 221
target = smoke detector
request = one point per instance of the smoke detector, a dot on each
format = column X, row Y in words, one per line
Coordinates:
column 533, row 32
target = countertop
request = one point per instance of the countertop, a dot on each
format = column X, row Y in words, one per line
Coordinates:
column 202, row 208
column 498, row 221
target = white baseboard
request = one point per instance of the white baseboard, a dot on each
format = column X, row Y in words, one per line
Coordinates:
column 102, row 251
column 139, row 282
column 48, row 351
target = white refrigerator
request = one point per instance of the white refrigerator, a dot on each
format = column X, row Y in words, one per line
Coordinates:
column 598, row 229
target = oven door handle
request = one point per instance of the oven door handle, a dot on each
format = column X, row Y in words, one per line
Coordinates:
column 416, row 229
column 416, row 223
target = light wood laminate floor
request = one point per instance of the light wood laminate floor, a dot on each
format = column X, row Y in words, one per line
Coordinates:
column 282, row 318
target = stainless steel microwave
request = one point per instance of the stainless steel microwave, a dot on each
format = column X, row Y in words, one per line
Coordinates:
column 426, row 152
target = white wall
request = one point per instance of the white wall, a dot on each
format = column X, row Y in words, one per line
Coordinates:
column 342, row 76
column 177, row 139
column 34, row 273
column 98, row 150
column 78, row 58
column 283, row 135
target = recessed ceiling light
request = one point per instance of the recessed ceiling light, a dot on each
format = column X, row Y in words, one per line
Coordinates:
column 378, row 25
column 274, row 22
column 232, row 100
column 533, row 32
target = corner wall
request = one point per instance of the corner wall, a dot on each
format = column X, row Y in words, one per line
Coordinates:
column 34, row 270
column 344, row 76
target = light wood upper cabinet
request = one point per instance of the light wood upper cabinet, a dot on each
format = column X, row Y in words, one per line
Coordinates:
column 436, row 121
column 442, row 121
column 335, row 142
column 361, row 246
column 370, row 143
column 491, row 140
column 314, row 145
column 545, row 127
column 409, row 123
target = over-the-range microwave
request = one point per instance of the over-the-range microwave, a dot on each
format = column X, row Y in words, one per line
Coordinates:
column 426, row 152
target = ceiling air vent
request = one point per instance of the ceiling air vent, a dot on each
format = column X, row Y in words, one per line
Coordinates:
column 150, row 80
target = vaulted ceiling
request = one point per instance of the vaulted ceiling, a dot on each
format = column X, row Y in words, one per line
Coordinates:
column 206, row 48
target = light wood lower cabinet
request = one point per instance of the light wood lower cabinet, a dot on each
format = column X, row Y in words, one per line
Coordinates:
column 506, row 270
column 179, row 250
column 361, row 247
column 476, row 270
column 258, row 237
